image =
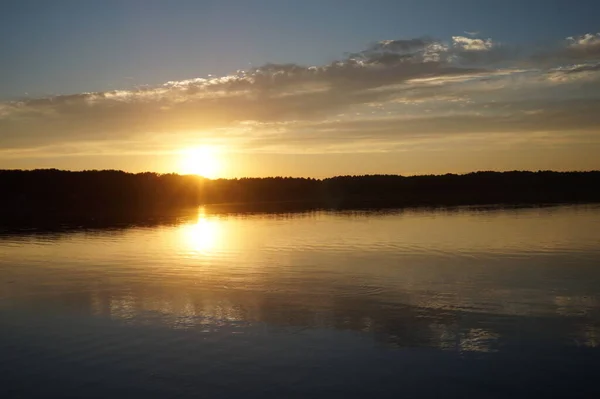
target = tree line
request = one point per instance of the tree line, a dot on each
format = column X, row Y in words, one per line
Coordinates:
column 51, row 190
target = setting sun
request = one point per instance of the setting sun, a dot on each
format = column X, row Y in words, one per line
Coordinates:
column 203, row 161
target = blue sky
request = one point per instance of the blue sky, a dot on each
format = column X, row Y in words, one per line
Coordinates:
column 71, row 46
column 311, row 88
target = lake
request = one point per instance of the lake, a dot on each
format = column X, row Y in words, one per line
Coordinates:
column 461, row 302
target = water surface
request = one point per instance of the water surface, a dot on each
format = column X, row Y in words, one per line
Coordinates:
column 463, row 302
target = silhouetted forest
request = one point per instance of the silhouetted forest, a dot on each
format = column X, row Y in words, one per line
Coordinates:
column 51, row 191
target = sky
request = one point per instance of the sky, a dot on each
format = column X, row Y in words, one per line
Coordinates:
column 300, row 88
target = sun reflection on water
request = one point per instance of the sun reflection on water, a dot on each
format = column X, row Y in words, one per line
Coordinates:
column 204, row 235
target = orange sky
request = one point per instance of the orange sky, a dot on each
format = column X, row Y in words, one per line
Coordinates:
column 407, row 106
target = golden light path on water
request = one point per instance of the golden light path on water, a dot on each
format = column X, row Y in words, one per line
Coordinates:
column 203, row 236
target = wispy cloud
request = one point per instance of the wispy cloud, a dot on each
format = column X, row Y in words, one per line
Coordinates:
column 390, row 93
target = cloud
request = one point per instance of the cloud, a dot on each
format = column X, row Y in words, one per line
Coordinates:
column 507, row 117
column 576, row 69
column 585, row 46
column 470, row 44
column 582, row 48
column 393, row 90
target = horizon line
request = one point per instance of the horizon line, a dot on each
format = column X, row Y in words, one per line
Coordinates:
column 301, row 177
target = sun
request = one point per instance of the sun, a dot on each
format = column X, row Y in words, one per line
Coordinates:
column 203, row 161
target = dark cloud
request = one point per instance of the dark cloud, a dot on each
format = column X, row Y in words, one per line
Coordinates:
column 578, row 49
column 579, row 69
column 585, row 47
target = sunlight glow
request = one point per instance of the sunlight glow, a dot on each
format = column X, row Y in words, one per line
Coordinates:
column 203, row 161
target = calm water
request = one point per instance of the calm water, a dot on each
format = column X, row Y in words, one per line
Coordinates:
column 418, row 303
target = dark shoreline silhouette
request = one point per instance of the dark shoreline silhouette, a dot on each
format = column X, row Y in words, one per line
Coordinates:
column 34, row 196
